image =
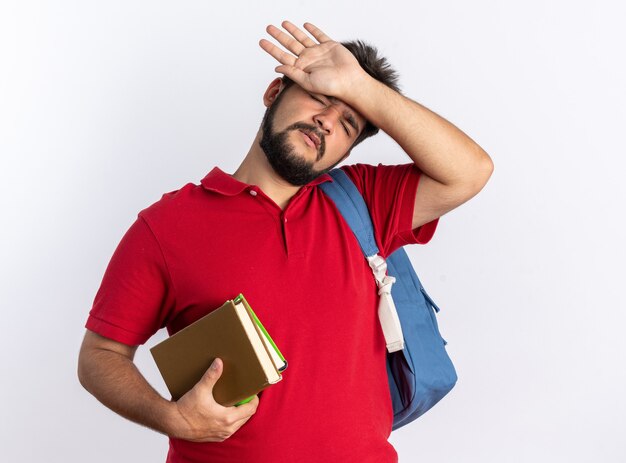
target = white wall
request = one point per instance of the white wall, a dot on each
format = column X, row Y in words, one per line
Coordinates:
column 106, row 105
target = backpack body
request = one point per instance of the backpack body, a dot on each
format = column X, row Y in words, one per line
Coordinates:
column 421, row 373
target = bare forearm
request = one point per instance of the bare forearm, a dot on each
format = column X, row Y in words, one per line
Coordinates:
column 437, row 147
column 116, row 382
column 106, row 369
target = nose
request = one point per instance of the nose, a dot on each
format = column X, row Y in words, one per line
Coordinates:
column 327, row 120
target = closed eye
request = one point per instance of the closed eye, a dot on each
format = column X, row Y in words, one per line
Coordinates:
column 345, row 127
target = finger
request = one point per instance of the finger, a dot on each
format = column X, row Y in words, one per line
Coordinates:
column 238, row 424
column 317, row 33
column 289, row 43
column 244, row 411
column 297, row 75
column 281, row 56
column 298, row 34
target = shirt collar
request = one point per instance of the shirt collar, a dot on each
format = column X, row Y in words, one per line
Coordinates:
column 220, row 182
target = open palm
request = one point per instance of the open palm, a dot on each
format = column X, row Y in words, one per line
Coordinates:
column 324, row 67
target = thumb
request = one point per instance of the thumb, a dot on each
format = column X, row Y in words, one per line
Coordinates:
column 211, row 376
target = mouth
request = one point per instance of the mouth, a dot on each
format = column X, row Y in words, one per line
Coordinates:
column 311, row 139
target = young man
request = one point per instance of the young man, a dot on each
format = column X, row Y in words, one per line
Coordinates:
column 268, row 231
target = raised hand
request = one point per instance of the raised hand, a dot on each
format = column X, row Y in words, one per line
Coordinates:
column 322, row 65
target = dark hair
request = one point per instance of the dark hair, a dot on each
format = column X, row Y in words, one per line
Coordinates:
column 376, row 66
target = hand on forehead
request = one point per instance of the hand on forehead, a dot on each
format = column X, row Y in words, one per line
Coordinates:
column 318, row 64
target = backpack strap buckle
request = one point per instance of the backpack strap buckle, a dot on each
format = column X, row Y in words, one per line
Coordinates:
column 387, row 313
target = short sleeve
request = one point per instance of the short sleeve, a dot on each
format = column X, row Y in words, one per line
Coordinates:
column 136, row 292
column 389, row 192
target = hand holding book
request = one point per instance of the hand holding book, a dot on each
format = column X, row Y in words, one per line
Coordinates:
column 211, row 403
column 202, row 419
column 232, row 333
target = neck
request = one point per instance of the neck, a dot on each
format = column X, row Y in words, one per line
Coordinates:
column 256, row 170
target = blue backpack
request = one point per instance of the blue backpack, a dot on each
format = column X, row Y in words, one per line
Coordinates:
column 419, row 371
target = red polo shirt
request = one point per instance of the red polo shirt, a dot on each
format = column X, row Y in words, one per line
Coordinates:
column 304, row 274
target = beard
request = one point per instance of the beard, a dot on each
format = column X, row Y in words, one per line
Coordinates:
column 282, row 155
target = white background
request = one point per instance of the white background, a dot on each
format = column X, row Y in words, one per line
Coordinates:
column 104, row 106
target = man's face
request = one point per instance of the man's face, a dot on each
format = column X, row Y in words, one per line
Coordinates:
column 305, row 135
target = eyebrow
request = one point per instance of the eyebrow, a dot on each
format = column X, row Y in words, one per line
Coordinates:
column 347, row 115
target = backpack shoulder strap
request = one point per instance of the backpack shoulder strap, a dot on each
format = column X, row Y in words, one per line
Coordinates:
column 352, row 207
column 350, row 203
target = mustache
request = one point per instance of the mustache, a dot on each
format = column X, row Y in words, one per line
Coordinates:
column 311, row 128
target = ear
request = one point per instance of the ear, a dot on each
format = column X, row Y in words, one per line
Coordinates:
column 272, row 92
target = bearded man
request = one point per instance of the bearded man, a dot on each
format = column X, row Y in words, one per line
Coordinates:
column 269, row 231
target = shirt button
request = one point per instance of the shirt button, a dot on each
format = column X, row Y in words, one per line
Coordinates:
column 285, row 219
column 253, row 192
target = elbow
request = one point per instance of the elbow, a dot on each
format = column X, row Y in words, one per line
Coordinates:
column 488, row 164
column 476, row 178
column 483, row 172
column 81, row 370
